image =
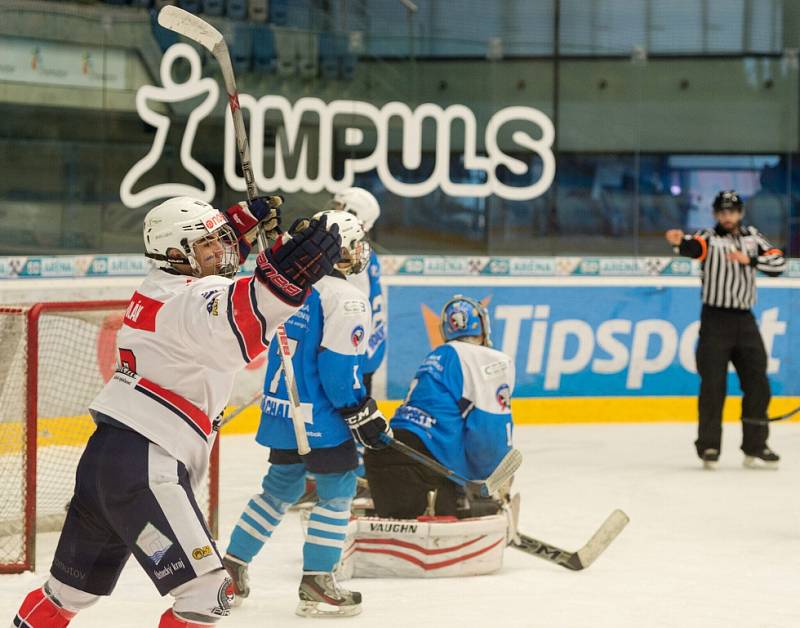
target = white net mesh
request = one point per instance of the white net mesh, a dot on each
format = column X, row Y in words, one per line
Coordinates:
column 76, row 355
column 13, row 366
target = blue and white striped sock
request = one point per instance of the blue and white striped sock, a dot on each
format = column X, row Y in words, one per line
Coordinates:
column 327, row 531
column 260, row 518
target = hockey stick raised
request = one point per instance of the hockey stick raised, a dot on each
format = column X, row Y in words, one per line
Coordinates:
column 197, row 29
column 502, row 473
column 586, row 555
column 771, row 419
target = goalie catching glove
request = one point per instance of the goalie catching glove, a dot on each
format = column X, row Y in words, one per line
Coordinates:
column 295, row 262
column 367, row 424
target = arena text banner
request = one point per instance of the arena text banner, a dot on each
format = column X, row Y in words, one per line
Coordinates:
column 315, row 169
column 593, row 348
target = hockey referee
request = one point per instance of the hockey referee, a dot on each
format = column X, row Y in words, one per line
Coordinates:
column 730, row 254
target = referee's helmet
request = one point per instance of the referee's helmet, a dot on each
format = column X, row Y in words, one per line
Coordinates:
column 728, row 199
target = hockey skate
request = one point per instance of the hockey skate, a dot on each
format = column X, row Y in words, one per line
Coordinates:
column 763, row 459
column 710, row 458
column 237, row 570
column 321, row 596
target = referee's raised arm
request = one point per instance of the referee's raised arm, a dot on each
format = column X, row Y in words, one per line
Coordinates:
column 730, row 253
column 695, row 246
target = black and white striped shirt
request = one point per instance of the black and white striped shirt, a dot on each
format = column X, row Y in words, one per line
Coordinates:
column 727, row 283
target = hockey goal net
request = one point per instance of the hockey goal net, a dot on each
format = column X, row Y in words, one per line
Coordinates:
column 54, row 358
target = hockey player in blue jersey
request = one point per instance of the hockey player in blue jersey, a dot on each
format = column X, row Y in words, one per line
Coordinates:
column 364, row 206
column 457, row 411
column 328, row 336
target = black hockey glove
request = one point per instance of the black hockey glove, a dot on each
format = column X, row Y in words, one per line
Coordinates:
column 295, row 262
column 367, row 424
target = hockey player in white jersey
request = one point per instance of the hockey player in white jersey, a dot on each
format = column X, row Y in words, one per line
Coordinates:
column 187, row 331
column 328, row 335
column 457, row 411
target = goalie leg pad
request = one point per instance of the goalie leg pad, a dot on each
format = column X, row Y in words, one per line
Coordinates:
column 204, row 600
column 432, row 547
column 282, row 486
column 41, row 609
column 327, row 524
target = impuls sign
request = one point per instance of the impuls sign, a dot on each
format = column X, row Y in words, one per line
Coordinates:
column 314, row 173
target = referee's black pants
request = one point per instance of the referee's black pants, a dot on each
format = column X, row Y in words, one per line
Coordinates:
column 728, row 335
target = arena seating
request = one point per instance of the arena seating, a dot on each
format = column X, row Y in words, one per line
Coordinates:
column 306, row 50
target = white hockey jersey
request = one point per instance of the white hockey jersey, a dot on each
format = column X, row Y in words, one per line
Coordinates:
column 182, row 342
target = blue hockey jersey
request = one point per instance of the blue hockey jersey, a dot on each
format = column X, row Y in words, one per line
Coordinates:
column 369, row 283
column 327, row 336
column 459, row 404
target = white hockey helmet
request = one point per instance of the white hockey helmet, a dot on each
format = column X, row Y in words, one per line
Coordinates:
column 355, row 248
column 184, row 230
column 359, row 202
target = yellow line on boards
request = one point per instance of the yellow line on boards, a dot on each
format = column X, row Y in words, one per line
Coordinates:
column 533, row 411
column 75, row 430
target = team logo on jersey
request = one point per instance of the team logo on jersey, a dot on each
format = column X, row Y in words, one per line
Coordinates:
column 225, row 597
column 503, row 396
column 213, row 307
column 153, row 543
column 357, row 336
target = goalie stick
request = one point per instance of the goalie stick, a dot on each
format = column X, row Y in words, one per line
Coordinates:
column 574, row 561
column 586, row 555
column 502, row 473
column 771, row 419
column 200, row 31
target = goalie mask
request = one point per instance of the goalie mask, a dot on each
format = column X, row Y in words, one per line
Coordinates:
column 191, row 237
column 359, row 202
column 355, row 248
column 462, row 317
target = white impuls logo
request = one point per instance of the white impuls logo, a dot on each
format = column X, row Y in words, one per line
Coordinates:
column 315, row 169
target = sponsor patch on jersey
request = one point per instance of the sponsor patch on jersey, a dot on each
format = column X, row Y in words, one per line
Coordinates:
column 153, row 543
column 354, row 307
column 495, row 368
column 503, row 396
column 199, row 553
column 357, row 335
column 213, row 307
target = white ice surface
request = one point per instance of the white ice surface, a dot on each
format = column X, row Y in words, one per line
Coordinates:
column 703, row 549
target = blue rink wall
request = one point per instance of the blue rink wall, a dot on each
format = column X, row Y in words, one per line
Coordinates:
column 593, row 339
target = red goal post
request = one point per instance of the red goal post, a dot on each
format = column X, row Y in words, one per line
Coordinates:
column 54, row 358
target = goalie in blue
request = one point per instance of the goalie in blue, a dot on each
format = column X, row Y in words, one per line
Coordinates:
column 457, row 411
column 327, row 337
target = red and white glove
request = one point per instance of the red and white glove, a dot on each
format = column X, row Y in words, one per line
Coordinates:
column 248, row 216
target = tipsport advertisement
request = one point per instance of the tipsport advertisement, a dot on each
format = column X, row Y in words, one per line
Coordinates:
column 591, row 340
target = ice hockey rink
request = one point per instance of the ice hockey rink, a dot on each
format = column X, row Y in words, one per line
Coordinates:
column 703, row 549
